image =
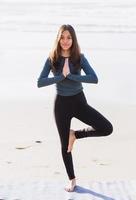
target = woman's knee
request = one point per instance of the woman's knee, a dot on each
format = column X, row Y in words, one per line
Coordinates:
column 64, row 147
column 108, row 129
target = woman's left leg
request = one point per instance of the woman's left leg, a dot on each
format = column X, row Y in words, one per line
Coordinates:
column 87, row 114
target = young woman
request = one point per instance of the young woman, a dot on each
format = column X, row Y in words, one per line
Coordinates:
column 66, row 62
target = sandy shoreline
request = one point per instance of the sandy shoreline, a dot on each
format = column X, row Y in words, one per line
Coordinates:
column 24, row 123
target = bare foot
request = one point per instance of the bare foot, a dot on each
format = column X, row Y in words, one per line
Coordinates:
column 71, row 186
column 72, row 139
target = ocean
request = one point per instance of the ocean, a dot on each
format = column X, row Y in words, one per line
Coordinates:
column 106, row 31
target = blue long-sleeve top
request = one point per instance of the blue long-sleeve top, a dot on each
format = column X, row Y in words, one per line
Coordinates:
column 72, row 83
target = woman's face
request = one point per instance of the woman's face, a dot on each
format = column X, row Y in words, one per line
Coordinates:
column 66, row 41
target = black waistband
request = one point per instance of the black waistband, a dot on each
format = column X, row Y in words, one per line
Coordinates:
column 70, row 97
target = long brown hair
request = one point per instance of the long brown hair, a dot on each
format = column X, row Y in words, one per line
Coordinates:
column 55, row 53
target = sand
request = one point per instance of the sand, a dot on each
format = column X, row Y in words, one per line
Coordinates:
column 30, row 157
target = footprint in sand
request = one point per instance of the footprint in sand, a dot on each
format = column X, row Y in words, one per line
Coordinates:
column 22, row 147
column 101, row 162
column 38, row 141
column 8, row 162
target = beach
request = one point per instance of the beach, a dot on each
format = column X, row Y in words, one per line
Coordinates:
column 30, row 157
column 31, row 163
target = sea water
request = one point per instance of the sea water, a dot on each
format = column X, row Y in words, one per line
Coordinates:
column 106, row 31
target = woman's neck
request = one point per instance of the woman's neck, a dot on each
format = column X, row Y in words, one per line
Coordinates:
column 65, row 53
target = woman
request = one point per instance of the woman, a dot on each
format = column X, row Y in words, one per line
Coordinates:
column 66, row 62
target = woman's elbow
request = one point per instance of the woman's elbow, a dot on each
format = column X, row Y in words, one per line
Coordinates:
column 96, row 79
column 39, row 84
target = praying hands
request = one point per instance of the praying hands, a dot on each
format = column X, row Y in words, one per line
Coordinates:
column 66, row 69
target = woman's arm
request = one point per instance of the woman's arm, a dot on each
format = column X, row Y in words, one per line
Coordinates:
column 90, row 76
column 44, row 80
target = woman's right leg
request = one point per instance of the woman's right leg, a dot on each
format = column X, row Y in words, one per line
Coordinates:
column 63, row 120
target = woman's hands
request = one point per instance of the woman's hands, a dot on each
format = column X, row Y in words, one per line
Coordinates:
column 66, row 70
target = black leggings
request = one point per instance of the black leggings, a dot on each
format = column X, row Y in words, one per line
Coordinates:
column 67, row 107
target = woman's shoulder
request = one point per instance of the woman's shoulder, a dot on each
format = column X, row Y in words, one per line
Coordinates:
column 48, row 60
column 82, row 58
column 81, row 55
